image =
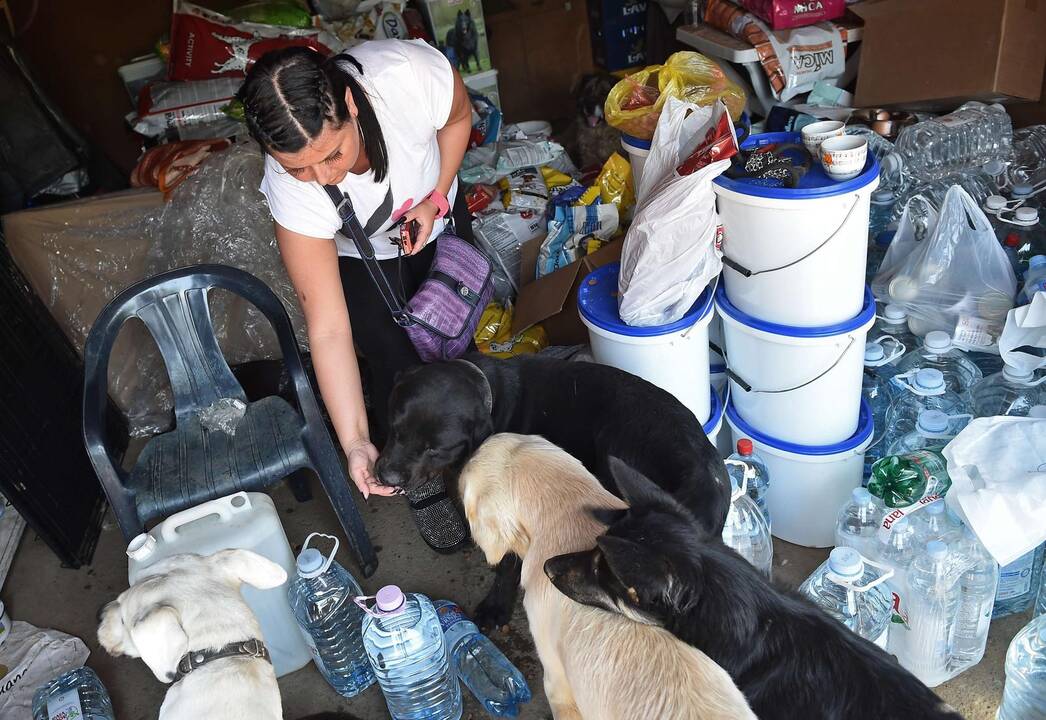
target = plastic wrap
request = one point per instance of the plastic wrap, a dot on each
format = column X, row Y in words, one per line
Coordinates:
column 215, row 216
column 223, row 415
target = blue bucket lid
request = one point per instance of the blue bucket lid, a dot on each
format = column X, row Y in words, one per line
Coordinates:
column 865, row 428
column 597, row 302
column 814, row 184
column 715, row 414
column 859, row 320
column 635, row 142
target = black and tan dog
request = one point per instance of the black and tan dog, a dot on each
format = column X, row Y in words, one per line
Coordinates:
column 441, row 413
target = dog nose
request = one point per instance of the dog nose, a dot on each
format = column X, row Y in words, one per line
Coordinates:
column 388, row 475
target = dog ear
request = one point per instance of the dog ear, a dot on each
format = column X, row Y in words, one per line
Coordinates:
column 634, row 486
column 645, row 574
column 160, row 641
column 607, row 516
column 110, row 629
column 245, row 566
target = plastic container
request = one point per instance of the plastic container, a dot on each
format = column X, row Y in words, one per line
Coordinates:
column 977, row 586
column 901, row 480
column 410, row 658
column 796, row 256
column 935, row 522
column 917, row 391
column 893, row 322
column 1029, row 149
column 810, row 482
column 895, row 549
column 1019, row 584
column 674, row 357
column 993, row 206
column 247, row 521
column 937, row 351
column 1024, row 695
column 1009, row 392
column 76, row 695
column 756, row 478
column 1026, row 236
column 714, row 427
column 851, row 589
column 322, row 596
column 798, row 385
column 858, row 523
column 1034, row 279
column 925, row 645
column 979, row 185
column 933, row 430
column 637, row 151
column 746, row 529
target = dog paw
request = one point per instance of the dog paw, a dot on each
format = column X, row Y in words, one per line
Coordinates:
column 491, row 614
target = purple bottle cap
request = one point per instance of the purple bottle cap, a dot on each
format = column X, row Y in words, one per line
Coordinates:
column 389, row 599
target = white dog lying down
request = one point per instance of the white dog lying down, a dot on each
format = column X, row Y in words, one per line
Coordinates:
column 193, row 603
column 525, row 495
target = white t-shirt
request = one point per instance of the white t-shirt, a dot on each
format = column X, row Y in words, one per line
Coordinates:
column 411, row 87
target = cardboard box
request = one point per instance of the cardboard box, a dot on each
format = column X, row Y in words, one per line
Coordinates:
column 552, row 299
column 936, row 54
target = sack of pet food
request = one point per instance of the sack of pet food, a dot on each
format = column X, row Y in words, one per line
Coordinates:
column 494, row 335
column 188, row 110
column 574, row 232
column 785, row 14
column 524, row 189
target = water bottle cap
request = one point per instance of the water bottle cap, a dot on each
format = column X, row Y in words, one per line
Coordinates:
column 895, row 314
column 1037, row 411
column 1037, row 261
column 937, row 550
column 873, row 352
column 744, row 446
column 929, row 379
column 1022, row 190
column 1026, row 215
column 1012, row 373
column 861, row 496
column 389, row 599
column 995, row 203
column 994, row 167
column 1012, row 240
column 933, row 421
column 846, row 562
column 883, row 197
column 310, row 563
column 937, row 340
column 141, row 547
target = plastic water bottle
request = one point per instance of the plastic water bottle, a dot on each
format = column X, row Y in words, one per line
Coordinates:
column 76, row 694
column 894, row 322
column 851, row 589
column 997, row 169
column 1019, row 584
column 322, row 597
column 1034, row 279
column 1024, row 194
column 758, row 477
column 875, row 386
column 900, row 480
column 409, row 655
column 977, row 586
column 935, row 522
column 858, row 523
column 1029, row 151
column 878, row 146
column 880, row 213
column 1010, row 392
column 877, row 250
column 937, row 351
column 994, row 206
column 916, row 391
column 1024, row 695
column 961, row 141
column 498, row 685
column 925, row 646
column 746, row 529
column 1025, row 235
column 895, row 551
column 933, row 430
column 979, row 185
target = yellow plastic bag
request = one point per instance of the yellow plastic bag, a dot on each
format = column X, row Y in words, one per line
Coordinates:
column 634, row 104
column 615, row 183
column 494, row 334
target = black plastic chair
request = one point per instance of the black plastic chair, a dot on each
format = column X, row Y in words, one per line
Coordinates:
column 190, row 464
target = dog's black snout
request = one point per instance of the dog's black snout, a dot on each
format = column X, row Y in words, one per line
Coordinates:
column 389, row 475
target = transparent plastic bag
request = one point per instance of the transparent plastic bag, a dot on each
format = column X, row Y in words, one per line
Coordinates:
column 959, row 279
column 905, row 240
column 635, row 103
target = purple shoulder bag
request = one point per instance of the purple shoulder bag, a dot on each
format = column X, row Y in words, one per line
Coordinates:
column 442, row 317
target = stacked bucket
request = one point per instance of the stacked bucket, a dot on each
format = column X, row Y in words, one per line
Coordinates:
column 795, row 315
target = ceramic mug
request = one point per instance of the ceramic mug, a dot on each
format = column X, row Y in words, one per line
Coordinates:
column 816, row 133
column 843, row 158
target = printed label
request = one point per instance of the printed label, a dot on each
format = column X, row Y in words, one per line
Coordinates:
column 1015, row 578
column 65, row 706
column 449, row 614
column 891, row 518
column 971, row 331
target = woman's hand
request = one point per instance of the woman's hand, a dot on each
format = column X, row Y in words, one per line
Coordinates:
column 362, row 455
column 425, row 213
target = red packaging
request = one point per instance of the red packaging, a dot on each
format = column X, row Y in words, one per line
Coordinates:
column 784, row 14
column 719, row 142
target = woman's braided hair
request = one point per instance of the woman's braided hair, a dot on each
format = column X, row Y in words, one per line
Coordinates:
column 289, row 95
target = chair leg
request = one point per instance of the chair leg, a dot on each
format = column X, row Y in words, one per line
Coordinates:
column 336, row 484
column 298, row 481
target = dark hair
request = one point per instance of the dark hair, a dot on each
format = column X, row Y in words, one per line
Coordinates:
column 289, row 94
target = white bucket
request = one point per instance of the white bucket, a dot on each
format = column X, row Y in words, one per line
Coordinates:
column 802, row 385
column 715, row 419
column 796, row 256
column 637, row 151
column 808, row 484
column 674, row 357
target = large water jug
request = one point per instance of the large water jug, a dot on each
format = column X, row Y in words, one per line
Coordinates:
column 933, row 430
column 1034, row 279
column 858, row 523
column 894, row 323
column 746, row 530
column 924, row 645
column 1019, row 583
column 410, row 657
column 977, row 586
column 875, row 386
column 1024, row 695
column 322, row 596
column 1029, row 151
column 915, row 392
column 247, row 521
column 1010, row 392
column 938, row 352
column 979, row 185
column 851, row 589
column 1025, row 234
column 75, row 695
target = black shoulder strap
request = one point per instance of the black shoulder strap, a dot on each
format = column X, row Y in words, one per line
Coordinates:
column 351, row 228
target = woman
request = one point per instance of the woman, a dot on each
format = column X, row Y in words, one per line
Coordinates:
column 389, row 125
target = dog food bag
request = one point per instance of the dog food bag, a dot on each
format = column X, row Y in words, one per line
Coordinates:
column 785, row 14
column 615, row 184
column 525, row 189
column 570, row 230
column 191, row 110
column 494, row 335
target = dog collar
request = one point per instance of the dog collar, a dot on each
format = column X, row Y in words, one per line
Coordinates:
column 488, row 393
column 253, row 648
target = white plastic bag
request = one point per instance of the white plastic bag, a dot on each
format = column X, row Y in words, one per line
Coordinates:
column 32, row 657
column 998, row 470
column 958, row 280
column 669, row 255
column 1025, row 327
column 903, row 243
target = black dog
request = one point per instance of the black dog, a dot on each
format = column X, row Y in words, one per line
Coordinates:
column 464, row 40
column 791, row 660
column 438, row 415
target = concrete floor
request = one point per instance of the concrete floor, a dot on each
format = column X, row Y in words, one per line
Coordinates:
column 30, row 594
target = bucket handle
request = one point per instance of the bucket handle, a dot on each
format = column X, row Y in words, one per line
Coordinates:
column 747, row 387
column 746, row 272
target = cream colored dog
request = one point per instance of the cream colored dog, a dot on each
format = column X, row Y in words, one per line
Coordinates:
column 526, row 496
column 191, row 602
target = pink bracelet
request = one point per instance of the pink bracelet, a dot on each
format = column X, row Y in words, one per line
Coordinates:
column 440, row 201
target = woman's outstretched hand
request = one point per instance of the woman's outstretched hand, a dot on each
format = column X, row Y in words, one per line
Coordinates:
column 425, row 213
column 361, row 456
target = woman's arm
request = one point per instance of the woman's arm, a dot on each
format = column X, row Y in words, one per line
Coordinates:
column 453, row 141
column 312, row 265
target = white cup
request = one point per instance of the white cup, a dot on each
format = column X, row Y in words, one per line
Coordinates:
column 816, row 133
column 843, row 158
